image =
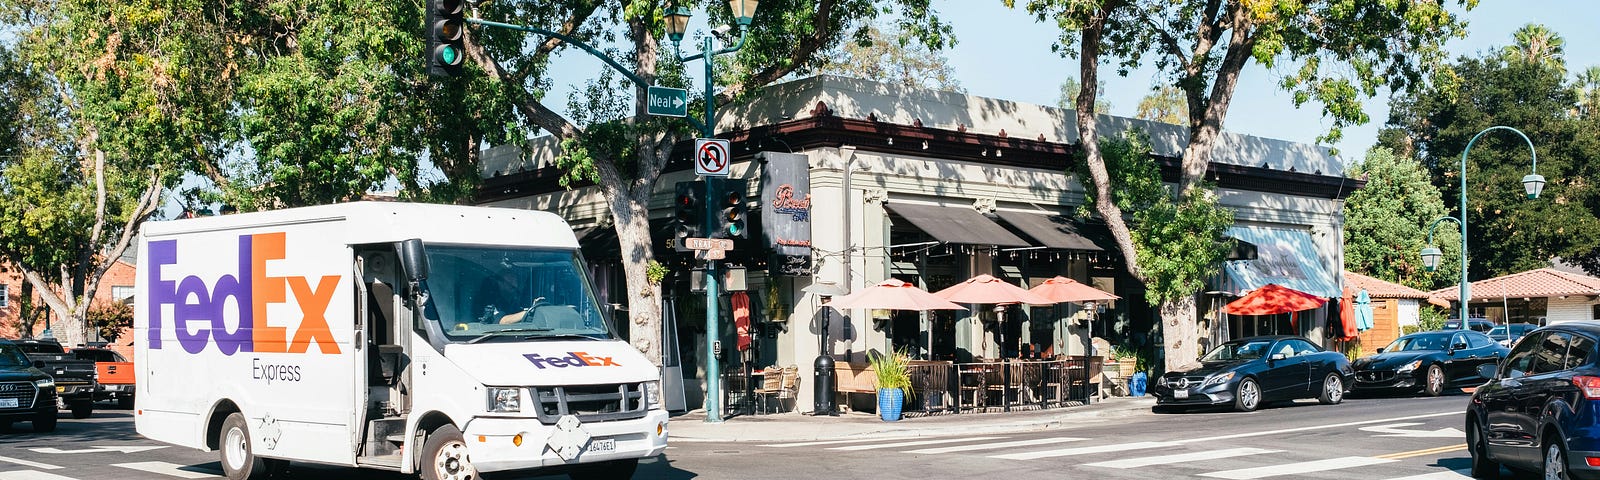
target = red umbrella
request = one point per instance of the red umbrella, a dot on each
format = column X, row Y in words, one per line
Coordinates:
column 1273, row 299
column 989, row 290
column 893, row 294
column 1066, row 290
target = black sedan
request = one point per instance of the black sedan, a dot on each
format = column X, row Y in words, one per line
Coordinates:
column 1429, row 362
column 1246, row 372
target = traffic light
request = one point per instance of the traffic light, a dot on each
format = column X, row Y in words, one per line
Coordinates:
column 732, row 212
column 688, row 213
column 445, row 28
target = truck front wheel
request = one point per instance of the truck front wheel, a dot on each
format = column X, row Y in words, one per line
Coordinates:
column 239, row 460
column 444, row 456
column 615, row 469
column 82, row 409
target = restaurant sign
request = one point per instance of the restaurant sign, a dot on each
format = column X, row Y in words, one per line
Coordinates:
column 786, row 204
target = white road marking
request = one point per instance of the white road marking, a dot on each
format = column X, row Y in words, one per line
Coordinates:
column 1297, row 468
column 1181, row 457
column 26, row 463
column 1084, row 450
column 912, row 444
column 991, row 446
column 31, row 475
column 122, row 448
column 1450, row 475
column 832, row 442
column 164, row 468
column 1394, row 430
column 1316, row 427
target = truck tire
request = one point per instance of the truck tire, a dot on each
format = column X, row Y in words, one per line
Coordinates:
column 444, row 456
column 125, row 403
column 239, row 460
column 615, row 469
column 82, row 409
column 44, row 422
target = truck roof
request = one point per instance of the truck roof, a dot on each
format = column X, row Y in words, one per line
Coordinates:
column 375, row 222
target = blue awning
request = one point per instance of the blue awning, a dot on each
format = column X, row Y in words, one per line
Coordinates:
column 1285, row 257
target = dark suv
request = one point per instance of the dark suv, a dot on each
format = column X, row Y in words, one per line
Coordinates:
column 1540, row 411
column 27, row 394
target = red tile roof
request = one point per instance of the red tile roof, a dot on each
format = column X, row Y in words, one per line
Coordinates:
column 1380, row 289
column 1544, row 282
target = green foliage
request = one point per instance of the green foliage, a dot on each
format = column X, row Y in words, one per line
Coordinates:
column 1165, row 105
column 1386, row 223
column 1429, row 319
column 1068, row 98
column 110, row 318
column 885, row 54
column 1353, row 350
column 656, row 272
column 1121, row 351
column 890, row 371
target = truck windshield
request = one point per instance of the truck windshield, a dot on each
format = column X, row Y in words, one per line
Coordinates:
column 486, row 294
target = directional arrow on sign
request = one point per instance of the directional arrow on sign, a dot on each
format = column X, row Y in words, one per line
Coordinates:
column 1394, row 430
column 100, row 449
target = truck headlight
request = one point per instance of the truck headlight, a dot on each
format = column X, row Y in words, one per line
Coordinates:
column 652, row 395
column 1218, row 379
column 1409, row 367
column 45, row 383
column 505, row 399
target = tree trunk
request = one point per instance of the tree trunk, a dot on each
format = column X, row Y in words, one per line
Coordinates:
column 1089, row 139
column 644, row 298
column 1179, row 332
column 1202, row 139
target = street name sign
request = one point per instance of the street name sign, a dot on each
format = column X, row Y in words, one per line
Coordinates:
column 694, row 243
column 712, row 157
column 667, row 101
column 710, row 254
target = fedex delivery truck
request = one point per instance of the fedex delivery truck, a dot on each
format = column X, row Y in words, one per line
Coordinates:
column 432, row 339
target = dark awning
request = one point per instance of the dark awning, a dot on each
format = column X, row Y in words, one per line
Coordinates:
column 1052, row 231
column 959, row 225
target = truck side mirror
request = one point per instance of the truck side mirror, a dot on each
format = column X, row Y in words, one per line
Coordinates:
column 414, row 259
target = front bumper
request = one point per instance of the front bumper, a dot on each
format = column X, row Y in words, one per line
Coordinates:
column 76, row 391
column 43, row 404
column 1219, row 394
column 489, row 442
column 1385, row 380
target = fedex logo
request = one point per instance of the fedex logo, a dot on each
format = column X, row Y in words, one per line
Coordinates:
column 573, row 359
column 198, row 305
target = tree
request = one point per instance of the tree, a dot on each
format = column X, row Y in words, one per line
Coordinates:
column 1509, row 233
column 1165, row 105
column 1589, row 92
column 1386, row 223
column 1536, row 43
column 888, row 55
column 623, row 149
column 1068, row 99
column 1343, row 50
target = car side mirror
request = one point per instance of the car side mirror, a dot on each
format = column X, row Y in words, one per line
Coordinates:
column 1459, row 346
column 38, row 364
column 1486, row 370
column 1276, row 356
column 1380, row 349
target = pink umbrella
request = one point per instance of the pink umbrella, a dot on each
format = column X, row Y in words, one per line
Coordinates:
column 989, row 290
column 893, row 294
column 1066, row 290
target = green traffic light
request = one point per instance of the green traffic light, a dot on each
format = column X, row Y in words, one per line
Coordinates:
column 448, row 55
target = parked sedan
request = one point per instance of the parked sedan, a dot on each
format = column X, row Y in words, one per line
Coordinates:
column 1429, row 362
column 1508, row 334
column 1247, row 372
column 1540, row 412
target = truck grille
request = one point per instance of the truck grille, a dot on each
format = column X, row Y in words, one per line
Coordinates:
column 24, row 392
column 590, row 403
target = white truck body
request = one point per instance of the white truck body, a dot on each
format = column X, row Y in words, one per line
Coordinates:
column 306, row 321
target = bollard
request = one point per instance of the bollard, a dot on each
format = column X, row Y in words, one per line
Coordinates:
column 823, row 381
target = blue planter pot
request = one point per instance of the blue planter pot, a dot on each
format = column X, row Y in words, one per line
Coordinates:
column 890, row 400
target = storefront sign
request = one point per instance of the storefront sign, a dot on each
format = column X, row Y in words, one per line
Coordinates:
column 786, row 204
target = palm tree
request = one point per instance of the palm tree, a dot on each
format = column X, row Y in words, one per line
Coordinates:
column 1589, row 92
column 1538, row 44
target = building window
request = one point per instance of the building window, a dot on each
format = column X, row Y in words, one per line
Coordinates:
column 1596, row 313
column 121, row 293
column 5, row 295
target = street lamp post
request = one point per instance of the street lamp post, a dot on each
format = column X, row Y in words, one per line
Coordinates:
column 677, row 22
column 1532, row 184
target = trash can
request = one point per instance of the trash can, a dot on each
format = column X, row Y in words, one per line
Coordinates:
column 1136, row 384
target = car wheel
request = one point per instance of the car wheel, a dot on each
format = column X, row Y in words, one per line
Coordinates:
column 1433, row 383
column 615, row 469
column 1332, row 390
column 1247, row 396
column 1555, row 461
column 82, row 410
column 44, row 422
column 444, row 456
column 238, row 452
column 1478, row 446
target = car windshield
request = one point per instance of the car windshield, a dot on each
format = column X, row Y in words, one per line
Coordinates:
column 1418, row 342
column 11, row 356
column 511, row 294
column 1238, row 350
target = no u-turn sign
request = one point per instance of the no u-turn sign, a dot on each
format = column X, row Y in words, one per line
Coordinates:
column 712, row 157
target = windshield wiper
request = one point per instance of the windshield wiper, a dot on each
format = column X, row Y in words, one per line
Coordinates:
column 562, row 336
column 497, row 333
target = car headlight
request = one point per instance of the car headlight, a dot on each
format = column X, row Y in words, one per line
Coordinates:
column 45, row 383
column 1217, row 379
column 652, row 395
column 1409, row 367
column 505, row 399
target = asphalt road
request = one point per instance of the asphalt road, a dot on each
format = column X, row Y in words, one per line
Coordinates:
column 1364, row 438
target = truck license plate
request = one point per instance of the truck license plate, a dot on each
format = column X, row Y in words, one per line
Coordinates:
column 602, row 445
column 1184, row 393
column 8, row 403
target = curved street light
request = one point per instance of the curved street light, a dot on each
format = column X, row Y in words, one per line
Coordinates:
column 1532, row 184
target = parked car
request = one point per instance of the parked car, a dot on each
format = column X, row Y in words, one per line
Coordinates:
column 1508, row 334
column 75, row 379
column 1540, row 412
column 1478, row 324
column 113, row 373
column 27, row 394
column 1247, row 372
column 1429, row 362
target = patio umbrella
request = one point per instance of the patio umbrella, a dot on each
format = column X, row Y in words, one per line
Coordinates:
column 893, row 294
column 989, row 290
column 1273, row 299
column 1066, row 290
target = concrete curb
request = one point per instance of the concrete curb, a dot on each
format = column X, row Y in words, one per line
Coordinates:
column 691, row 428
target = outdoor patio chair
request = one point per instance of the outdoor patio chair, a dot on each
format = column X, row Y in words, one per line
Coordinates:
column 771, row 385
column 790, row 385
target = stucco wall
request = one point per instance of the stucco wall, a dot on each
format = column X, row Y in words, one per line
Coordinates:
column 1570, row 309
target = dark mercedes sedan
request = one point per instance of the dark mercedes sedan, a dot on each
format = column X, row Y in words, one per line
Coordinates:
column 1429, row 362
column 1247, row 372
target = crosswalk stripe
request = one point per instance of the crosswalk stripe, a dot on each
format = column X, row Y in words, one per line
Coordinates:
column 1083, row 450
column 26, row 463
column 1180, row 458
column 831, row 442
column 1450, row 475
column 1297, row 468
column 992, row 446
column 913, row 444
column 164, row 468
column 31, row 475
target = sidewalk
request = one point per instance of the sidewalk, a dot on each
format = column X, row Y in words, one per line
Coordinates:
column 795, row 427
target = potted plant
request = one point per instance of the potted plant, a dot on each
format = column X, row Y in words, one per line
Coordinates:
column 1126, row 360
column 892, row 380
